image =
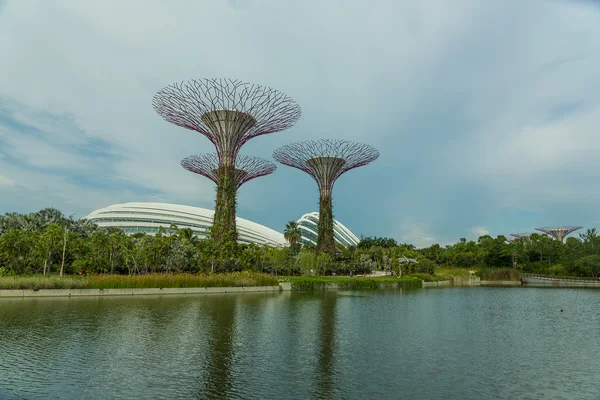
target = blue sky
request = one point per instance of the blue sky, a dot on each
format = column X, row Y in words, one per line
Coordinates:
column 486, row 113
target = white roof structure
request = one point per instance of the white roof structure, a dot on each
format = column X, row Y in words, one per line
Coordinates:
column 308, row 225
column 148, row 217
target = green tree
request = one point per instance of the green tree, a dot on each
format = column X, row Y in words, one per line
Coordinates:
column 50, row 244
column 590, row 265
column 292, row 234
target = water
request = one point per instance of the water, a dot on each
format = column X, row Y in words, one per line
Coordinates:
column 447, row 343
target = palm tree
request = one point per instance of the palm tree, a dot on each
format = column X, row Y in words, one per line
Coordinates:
column 292, row 234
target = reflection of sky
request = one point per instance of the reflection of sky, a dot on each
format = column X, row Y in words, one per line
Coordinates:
column 473, row 342
column 485, row 120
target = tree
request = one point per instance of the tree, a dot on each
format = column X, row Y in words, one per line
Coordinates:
column 51, row 238
column 292, row 234
column 589, row 264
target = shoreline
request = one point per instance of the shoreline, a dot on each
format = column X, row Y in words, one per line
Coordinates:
column 285, row 286
column 23, row 293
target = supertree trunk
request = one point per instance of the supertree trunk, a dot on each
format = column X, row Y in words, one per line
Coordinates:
column 229, row 178
column 325, row 239
column 224, row 228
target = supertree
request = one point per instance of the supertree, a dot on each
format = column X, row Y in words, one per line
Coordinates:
column 524, row 236
column 246, row 167
column 229, row 113
column 559, row 232
column 325, row 161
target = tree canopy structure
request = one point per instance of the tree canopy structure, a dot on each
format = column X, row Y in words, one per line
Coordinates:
column 246, row 167
column 325, row 161
column 524, row 236
column 229, row 113
column 559, row 232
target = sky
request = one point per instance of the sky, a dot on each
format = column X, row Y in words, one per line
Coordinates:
column 486, row 112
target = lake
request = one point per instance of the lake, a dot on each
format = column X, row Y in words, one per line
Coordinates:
column 438, row 343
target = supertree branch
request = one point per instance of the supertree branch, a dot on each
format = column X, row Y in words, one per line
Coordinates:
column 246, row 167
column 559, row 232
column 325, row 161
column 524, row 235
column 228, row 112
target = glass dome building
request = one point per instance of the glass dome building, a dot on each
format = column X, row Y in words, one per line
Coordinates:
column 308, row 226
column 149, row 217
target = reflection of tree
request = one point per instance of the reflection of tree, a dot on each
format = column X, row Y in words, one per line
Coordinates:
column 217, row 380
column 326, row 360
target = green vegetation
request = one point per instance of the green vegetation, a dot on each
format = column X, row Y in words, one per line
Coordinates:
column 37, row 282
column 224, row 227
column 325, row 240
column 47, row 243
column 499, row 274
column 454, row 271
column 578, row 256
column 236, row 279
column 430, row 278
column 307, row 284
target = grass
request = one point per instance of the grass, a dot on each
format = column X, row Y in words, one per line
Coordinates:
column 455, row 271
column 499, row 274
column 312, row 283
column 431, row 278
column 36, row 282
column 235, row 279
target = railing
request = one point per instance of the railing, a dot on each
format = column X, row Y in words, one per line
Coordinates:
column 562, row 278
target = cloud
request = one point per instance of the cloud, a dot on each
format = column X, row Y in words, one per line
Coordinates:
column 479, row 231
column 485, row 116
column 6, row 181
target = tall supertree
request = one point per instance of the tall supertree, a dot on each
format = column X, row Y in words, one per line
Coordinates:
column 326, row 161
column 229, row 113
column 246, row 167
column 559, row 232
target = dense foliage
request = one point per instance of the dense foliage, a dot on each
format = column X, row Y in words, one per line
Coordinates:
column 47, row 242
column 577, row 256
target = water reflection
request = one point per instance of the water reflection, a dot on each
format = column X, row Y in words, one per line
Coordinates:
column 327, row 346
column 475, row 342
column 216, row 382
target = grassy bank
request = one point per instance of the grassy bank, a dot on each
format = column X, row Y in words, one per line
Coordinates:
column 499, row 274
column 455, row 271
column 313, row 283
column 432, row 278
column 236, row 279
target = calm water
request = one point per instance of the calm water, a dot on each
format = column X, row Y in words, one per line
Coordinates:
column 452, row 343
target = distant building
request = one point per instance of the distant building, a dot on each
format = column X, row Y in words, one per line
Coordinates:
column 149, row 217
column 308, row 225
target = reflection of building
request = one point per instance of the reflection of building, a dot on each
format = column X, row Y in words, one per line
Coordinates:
column 148, row 217
column 308, row 225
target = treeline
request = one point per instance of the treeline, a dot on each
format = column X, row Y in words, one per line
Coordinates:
column 47, row 242
column 577, row 256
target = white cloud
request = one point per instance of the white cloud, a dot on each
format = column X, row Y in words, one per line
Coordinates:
column 6, row 181
column 478, row 231
column 474, row 106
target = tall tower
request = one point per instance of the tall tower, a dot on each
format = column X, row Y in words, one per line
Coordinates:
column 559, row 232
column 325, row 161
column 228, row 113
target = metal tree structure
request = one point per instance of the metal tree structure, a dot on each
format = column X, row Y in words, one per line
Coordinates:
column 246, row 167
column 229, row 113
column 559, row 232
column 325, row 161
column 523, row 236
